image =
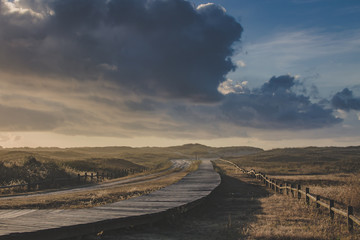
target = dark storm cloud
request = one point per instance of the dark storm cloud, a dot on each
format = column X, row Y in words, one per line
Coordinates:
column 276, row 105
column 166, row 48
column 278, row 84
column 345, row 100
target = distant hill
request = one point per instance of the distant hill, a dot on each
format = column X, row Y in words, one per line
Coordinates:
column 206, row 151
column 19, row 165
column 150, row 157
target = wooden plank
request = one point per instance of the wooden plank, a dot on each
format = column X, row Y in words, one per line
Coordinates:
column 340, row 212
column 311, row 197
column 324, row 204
column 15, row 213
column 355, row 219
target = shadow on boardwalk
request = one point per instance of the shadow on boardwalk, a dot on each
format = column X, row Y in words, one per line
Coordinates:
column 224, row 215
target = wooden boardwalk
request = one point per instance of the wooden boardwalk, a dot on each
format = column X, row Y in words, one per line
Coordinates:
column 65, row 223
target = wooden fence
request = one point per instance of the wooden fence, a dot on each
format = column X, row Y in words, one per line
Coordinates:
column 297, row 191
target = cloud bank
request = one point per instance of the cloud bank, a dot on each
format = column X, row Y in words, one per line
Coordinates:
column 277, row 105
column 140, row 68
column 165, row 48
column 345, row 100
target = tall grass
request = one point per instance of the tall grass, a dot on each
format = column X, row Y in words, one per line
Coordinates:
column 29, row 165
column 311, row 160
column 343, row 188
column 332, row 172
column 30, row 171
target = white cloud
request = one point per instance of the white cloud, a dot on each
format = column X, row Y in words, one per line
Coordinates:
column 287, row 47
column 229, row 86
column 15, row 7
column 210, row 4
column 240, row 63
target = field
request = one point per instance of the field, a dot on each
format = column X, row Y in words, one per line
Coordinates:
column 242, row 208
column 90, row 197
column 330, row 172
column 29, row 165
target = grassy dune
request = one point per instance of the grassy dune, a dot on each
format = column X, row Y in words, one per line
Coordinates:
column 49, row 163
column 332, row 172
column 311, row 160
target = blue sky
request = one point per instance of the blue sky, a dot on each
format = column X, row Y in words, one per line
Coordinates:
column 318, row 40
column 264, row 73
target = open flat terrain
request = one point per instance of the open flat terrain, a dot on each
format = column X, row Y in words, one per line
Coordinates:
column 241, row 208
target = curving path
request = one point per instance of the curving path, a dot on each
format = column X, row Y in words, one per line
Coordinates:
column 65, row 223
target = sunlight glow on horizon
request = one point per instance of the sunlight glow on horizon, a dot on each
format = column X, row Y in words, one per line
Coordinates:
column 48, row 139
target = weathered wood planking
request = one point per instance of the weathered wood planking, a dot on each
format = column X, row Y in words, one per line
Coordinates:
column 64, row 223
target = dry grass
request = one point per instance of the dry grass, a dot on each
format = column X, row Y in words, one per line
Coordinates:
column 284, row 217
column 331, row 172
column 311, row 160
column 343, row 188
column 119, row 161
column 242, row 208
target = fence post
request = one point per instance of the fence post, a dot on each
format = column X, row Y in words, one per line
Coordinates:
column 85, row 177
column 307, row 191
column 276, row 188
column 317, row 200
column 97, row 176
column 286, row 189
column 331, row 211
column 280, row 189
column 79, row 177
column 350, row 212
column 298, row 190
column 292, row 190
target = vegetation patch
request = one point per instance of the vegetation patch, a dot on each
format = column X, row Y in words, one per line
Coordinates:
column 92, row 198
column 308, row 161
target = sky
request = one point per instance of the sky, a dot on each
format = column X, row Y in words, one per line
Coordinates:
column 262, row 73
